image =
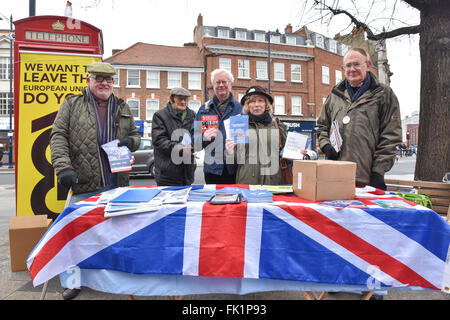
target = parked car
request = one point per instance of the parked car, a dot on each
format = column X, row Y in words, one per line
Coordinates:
column 144, row 161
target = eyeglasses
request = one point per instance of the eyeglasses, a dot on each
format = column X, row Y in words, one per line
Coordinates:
column 217, row 83
column 100, row 78
column 356, row 65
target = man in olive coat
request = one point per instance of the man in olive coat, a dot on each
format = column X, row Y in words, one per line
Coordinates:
column 83, row 123
column 367, row 115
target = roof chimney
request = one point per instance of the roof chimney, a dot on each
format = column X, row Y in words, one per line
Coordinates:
column 288, row 29
column 200, row 20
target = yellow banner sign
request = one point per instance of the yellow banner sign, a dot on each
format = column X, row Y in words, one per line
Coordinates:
column 45, row 81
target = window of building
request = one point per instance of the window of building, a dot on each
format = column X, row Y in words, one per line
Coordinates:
column 225, row 63
column 223, row 33
column 275, row 38
column 296, row 105
column 133, row 103
column 240, row 34
column 325, row 75
column 333, row 46
column 260, row 36
column 153, row 78
column 240, row 96
column 173, row 79
column 116, row 78
column 261, row 70
column 319, row 41
column 195, row 81
column 338, row 75
column 133, row 79
column 279, row 104
column 4, row 68
column 4, row 104
column 244, row 69
column 194, row 105
column 291, row 40
column 296, row 73
column 278, row 71
column 152, row 105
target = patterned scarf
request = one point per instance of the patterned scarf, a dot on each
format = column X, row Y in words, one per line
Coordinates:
column 106, row 135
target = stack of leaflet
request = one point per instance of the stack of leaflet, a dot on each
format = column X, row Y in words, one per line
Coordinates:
column 273, row 189
column 257, row 196
column 201, row 195
column 134, row 200
column 175, row 196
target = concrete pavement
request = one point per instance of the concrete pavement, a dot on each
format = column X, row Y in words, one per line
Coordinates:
column 18, row 286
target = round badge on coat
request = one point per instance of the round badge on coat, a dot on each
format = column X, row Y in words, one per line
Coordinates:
column 346, row 120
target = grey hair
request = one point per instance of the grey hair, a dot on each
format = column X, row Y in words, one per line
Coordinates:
column 217, row 71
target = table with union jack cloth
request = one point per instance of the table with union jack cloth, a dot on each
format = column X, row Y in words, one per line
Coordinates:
column 289, row 244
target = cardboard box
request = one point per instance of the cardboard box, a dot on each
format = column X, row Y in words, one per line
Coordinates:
column 24, row 234
column 320, row 180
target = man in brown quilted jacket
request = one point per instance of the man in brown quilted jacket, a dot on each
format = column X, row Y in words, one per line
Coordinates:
column 84, row 122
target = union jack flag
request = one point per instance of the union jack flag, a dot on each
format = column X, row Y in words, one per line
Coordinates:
column 289, row 239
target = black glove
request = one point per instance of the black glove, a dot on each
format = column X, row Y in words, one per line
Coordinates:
column 68, row 178
column 377, row 181
column 330, row 152
column 127, row 141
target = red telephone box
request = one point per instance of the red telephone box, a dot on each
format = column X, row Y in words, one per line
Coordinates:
column 51, row 54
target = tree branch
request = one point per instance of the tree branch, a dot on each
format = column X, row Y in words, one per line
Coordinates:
column 395, row 33
column 365, row 27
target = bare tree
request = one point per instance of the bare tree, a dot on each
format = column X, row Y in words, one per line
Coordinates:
column 433, row 158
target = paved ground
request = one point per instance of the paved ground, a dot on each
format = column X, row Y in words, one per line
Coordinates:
column 18, row 286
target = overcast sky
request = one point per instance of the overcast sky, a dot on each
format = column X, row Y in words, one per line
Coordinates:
column 171, row 22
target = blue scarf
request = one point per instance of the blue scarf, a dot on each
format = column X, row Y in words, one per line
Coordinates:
column 356, row 92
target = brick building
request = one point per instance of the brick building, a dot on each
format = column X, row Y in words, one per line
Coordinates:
column 304, row 66
column 146, row 73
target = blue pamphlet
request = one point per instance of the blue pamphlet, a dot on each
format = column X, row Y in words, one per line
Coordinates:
column 239, row 128
column 136, row 196
column 119, row 157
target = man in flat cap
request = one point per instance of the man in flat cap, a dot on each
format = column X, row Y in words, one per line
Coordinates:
column 83, row 123
column 173, row 149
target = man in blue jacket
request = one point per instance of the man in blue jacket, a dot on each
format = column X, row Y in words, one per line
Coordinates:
column 209, row 132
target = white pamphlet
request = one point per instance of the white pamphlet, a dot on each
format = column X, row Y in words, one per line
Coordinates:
column 295, row 143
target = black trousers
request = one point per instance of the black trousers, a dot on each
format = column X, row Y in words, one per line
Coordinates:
column 224, row 178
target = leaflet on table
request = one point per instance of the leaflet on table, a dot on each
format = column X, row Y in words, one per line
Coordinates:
column 273, row 189
column 136, row 195
column 112, row 210
column 119, row 157
column 340, row 204
column 295, row 143
column 209, row 121
column 393, row 204
column 335, row 136
column 175, row 196
column 257, row 196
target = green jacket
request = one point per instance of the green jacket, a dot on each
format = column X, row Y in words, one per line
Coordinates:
column 373, row 132
column 74, row 143
column 256, row 165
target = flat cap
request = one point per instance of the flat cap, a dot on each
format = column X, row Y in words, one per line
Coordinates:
column 101, row 68
column 180, row 92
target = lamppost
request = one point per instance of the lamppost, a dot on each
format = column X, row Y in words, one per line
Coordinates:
column 268, row 56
